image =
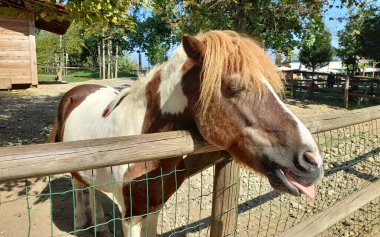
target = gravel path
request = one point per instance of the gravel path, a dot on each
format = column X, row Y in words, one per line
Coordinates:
column 26, row 118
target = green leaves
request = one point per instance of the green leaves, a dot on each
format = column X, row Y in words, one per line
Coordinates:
column 369, row 37
column 316, row 50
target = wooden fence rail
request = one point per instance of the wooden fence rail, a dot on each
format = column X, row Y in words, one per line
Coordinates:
column 316, row 224
column 55, row 158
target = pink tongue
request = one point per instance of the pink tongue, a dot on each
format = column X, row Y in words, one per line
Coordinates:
column 307, row 190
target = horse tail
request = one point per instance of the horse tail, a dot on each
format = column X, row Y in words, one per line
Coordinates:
column 53, row 136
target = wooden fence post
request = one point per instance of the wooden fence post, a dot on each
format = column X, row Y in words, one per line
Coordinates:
column 291, row 84
column 225, row 198
column 346, row 87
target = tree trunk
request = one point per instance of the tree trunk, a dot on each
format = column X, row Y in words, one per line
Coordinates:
column 109, row 59
column 99, row 62
column 139, row 52
column 240, row 24
column 103, row 57
column 66, row 63
column 60, row 60
column 116, row 60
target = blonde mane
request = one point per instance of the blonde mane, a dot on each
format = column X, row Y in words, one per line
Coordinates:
column 230, row 52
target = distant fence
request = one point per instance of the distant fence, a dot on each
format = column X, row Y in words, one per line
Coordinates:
column 347, row 87
column 233, row 203
column 86, row 72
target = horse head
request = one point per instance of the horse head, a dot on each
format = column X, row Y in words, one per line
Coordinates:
column 232, row 87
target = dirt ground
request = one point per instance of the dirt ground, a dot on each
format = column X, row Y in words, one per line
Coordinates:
column 26, row 117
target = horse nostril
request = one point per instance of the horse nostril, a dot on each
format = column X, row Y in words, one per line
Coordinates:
column 310, row 158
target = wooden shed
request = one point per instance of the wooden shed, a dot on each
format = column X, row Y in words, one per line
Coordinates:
column 18, row 62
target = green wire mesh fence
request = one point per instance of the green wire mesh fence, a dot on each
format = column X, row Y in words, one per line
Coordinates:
column 45, row 206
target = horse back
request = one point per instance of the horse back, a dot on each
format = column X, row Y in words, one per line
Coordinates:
column 70, row 100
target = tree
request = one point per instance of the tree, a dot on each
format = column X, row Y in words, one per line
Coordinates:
column 273, row 23
column 370, row 36
column 351, row 47
column 316, row 50
column 276, row 24
column 94, row 12
column 152, row 36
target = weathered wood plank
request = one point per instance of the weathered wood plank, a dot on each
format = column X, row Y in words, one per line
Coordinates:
column 323, row 220
column 3, row 58
column 32, row 50
column 13, row 37
column 14, row 65
column 11, row 54
column 12, row 19
column 14, row 61
column 15, row 72
column 10, row 24
column 5, row 83
column 11, row 43
column 55, row 158
column 225, row 197
column 15, row 47
column 14, row 31
column 324, row 123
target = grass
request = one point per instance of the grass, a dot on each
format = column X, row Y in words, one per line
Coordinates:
column 78, row 76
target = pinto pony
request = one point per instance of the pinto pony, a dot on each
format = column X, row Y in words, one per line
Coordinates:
column 219, row 83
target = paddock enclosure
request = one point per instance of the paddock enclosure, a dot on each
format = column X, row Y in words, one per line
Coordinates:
column 346, row 90
column 218, row 200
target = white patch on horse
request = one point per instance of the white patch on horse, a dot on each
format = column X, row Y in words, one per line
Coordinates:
column 145, row 228
column 172, row 99
column 86, row 122
column 305, row 135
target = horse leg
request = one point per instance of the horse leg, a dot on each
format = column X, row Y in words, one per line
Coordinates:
column 141, row 226
column 80, row 209
column 97, row 210
column 149, row 224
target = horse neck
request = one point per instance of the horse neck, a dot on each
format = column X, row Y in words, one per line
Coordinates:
column 167, row 106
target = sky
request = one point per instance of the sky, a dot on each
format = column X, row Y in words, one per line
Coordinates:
column 333, row 26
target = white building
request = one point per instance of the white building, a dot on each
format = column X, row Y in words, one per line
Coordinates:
column 334, row 66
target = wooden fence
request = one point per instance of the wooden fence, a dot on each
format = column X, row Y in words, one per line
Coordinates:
column 48, row 159
column 313, row 83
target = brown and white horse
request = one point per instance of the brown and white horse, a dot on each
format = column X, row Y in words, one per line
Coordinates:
column 221, row 84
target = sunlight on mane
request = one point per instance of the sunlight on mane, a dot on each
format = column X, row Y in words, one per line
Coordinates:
column 228, row 52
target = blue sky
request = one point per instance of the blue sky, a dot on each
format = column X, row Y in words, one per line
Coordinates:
column 333, row 26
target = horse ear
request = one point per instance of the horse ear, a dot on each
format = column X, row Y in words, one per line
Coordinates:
column 194, row 48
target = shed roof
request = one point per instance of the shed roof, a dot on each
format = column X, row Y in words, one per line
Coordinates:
column 54, row 26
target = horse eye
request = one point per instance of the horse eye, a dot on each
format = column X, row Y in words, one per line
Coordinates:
column 237, row 89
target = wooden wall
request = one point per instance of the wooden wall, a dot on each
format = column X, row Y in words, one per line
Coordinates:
column 18, row 63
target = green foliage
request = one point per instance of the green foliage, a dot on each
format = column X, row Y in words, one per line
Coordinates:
column 152, row 36
column 47, row 45
column 351, row 45
column 79, row 43
column 92, row 12
column 316, row 50
column 370, row 37
column 273, row 23
column 157, row 54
